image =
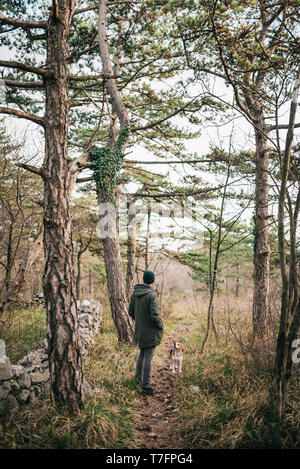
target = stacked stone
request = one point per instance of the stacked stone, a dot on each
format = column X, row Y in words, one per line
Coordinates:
column 38, row 299
column 90, row 318
column 23, row 382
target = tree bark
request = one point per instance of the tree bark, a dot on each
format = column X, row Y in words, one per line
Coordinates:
column 131, row 247
column 147, row 257
column 110, row 239
column 65, row 360
column 290, row 303
column 262, row 245
column 114, row 273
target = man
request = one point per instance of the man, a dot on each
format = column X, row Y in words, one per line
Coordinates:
column 149, row 329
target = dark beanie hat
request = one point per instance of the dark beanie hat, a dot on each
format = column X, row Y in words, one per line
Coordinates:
column 148, row 277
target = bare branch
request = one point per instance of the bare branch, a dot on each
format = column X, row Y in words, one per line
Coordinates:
column 283, row 126
column 107, row 67
column 24, row 84
column 23, row 23
column 23, row 115
column 169, row 162
column 25, row 67
column 92, row 77
column 173, row 194
column 31, row 169
column 94, row 7
column 87, row 179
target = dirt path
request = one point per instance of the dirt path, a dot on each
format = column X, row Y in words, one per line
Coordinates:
column 156, row 423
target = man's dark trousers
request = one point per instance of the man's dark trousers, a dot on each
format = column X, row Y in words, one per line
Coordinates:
column 144, row 365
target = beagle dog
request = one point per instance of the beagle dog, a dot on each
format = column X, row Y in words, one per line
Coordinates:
column 176, row 357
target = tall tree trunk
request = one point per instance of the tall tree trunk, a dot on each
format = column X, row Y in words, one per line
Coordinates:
column 147, row 257
column 65, row 360
column 131, row 247
column 117, row 143
column 290, row 303
column 262, row 245
column 114, row 273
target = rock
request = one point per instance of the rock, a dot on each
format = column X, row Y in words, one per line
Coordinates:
column 5, row 388
column 86, row 318
column 39, row 377
column 24, row 380
column 14, row 385
column 33, row 368
column 195, row 389
column 45, row 344
column 32, row 358
column 2, row 349
column 8, row 405
column 97, row 391
column 85, row 303
column 17, row 370
column 157, row 414
column 24, row 395
column 42, row 355
column 5, row 368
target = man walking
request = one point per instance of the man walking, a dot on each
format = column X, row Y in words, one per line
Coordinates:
column 149, row 329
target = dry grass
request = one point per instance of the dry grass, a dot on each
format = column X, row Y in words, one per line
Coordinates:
column 229, row 407
column 23, row 330
column 107, row 418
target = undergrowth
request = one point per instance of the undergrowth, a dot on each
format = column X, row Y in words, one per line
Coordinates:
column 105, row 422
column 23, row 330
column 223, row 394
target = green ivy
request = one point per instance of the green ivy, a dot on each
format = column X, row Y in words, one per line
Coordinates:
column 106, row 164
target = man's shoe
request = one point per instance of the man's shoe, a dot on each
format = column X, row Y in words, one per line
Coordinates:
column 148, row 391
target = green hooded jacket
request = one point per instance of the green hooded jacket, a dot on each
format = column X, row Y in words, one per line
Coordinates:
column 144, row 311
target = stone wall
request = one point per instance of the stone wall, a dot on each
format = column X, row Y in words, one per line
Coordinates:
column 21, row 383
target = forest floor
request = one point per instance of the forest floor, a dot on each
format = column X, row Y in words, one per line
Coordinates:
column 218, row 402
column 157, row 423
